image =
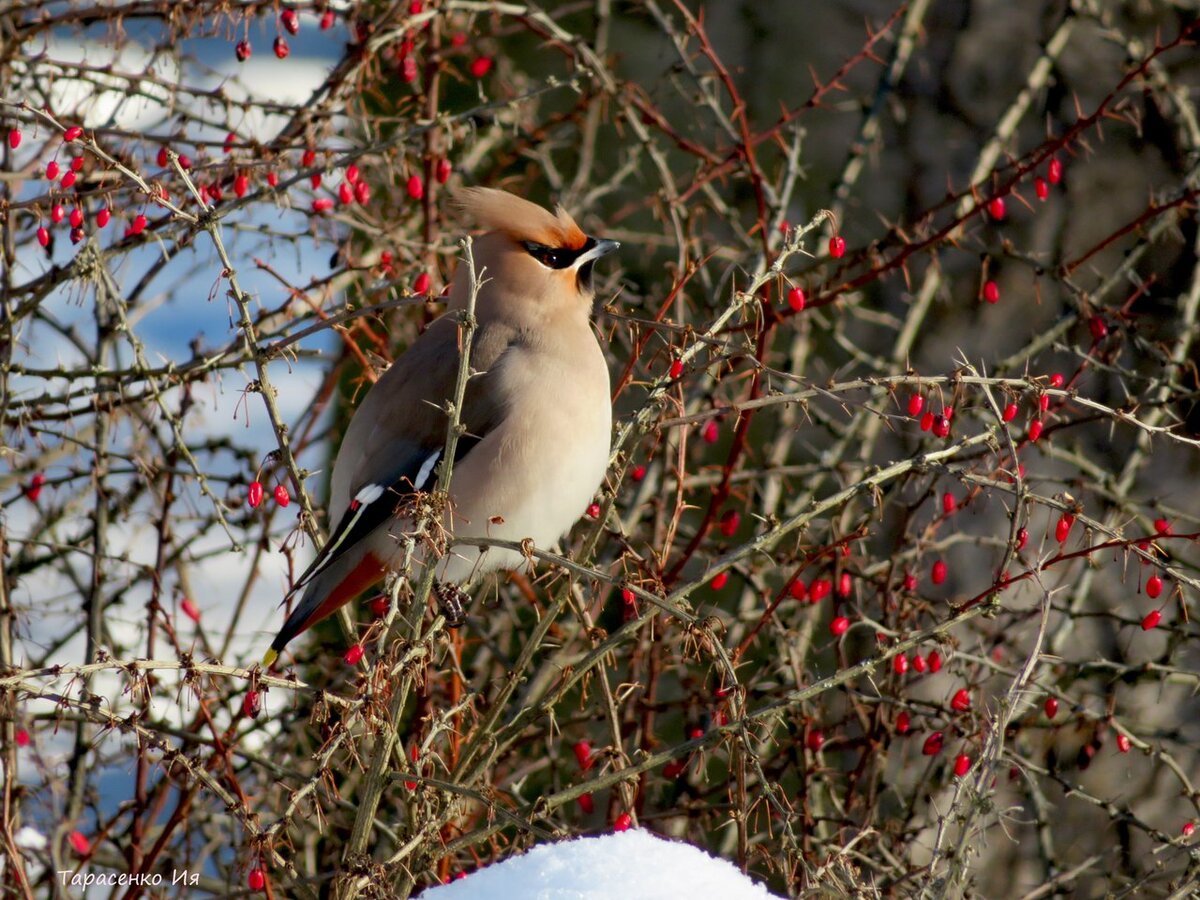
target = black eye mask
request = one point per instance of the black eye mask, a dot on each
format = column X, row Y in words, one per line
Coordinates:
column 557, row 257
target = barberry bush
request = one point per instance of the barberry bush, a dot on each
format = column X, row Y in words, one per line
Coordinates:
column 889, row 586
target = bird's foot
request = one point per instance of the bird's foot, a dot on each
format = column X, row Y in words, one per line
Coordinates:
column 453, row 601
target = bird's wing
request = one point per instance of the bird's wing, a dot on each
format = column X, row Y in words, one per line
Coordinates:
column 397, row 437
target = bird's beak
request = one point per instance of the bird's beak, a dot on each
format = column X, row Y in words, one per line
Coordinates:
column 601, row 248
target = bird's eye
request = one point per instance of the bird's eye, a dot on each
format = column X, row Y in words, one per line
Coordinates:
column 551, row 257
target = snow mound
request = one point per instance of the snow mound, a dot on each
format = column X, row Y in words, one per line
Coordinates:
column 629, row 865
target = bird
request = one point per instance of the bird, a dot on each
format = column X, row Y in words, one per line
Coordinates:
column 537, row 414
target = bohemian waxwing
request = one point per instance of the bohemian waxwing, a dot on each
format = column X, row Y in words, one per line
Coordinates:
column 537, row 414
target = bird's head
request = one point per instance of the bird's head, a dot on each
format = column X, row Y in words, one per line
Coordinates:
column 530, row 249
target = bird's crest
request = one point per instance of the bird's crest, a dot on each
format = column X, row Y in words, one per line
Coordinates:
column 497, row 210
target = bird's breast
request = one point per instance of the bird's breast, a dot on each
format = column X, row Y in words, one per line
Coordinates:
column 534, row 475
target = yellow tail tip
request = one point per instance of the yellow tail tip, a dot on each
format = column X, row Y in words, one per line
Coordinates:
column 269, row 658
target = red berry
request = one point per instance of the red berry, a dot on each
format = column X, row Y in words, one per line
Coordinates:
column 68, row 180
column 281, row 48
column 962, row 765
column 77, row 164
column 819, row 590
column 161, row 157
column 272, row 179
column 795, row 298
column 593, row 511
column 900, row 664
column 73, row 133
column 837, row 246
column 711, row 432
column 315, row 180
column 1162, row 526
column 935, row 661
column 815, row 740
column 43, row 235
column 1057, row 380
column 22, row 737
column 185, row 161
column 14, row 138
column 139, row 224
column 961, row 701
column 442, row 170
column 638, row 473
column 57, row 212
column 379, row 606
column 35, row 487
column 80, row 842
column 1022, row 538
column 290, row 21
column 1050, row 707
column 720, row 580
column 1041, row 188
column 76, row 218
column 1098, row 328
column 798, row 589
column 480, row 66
column 322, row 205
column 927, row 421
column 933, row 744
column 996, row 208
column 458, row 39
column 345, row 194
column 1035, row 429
column 241, row 184
column 102, row 217
column 1188, row 829
column 254, row 494
column 583, row 755
column 586, row 804
column 256, row 880
column 839, row 626
column 362, row 192
column 408, row 69
column 674, row 769
column 1063, row 527
column 991, row 292
column 242, row 50
column 353, row 656
column 845, row 584
column 941, row 426
column 903, row 722
column 352, row 173
column 251, row 704
column 1123, row 743
column 52, row 170
column 730, row 521
column 916, row 403
column 1010, row 412
column 948, row 503
column 623, row 823
column 1154, row 586
column 189, row 609
column 628, row 597
column 910, row 581
column 939, row 572
column 919, row 665
column 327, row 20
column 416, row 187
column 1151, row 621
column 676, row 368
column 308, row 157
column 421, row 284
column 1054, row 171
column 282, row 497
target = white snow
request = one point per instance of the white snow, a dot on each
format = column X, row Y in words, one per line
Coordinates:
column 627, row 865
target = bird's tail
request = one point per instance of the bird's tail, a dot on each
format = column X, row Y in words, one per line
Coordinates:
column 324, row 595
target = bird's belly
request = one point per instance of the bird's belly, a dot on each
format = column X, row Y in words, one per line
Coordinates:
column 533, row 480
